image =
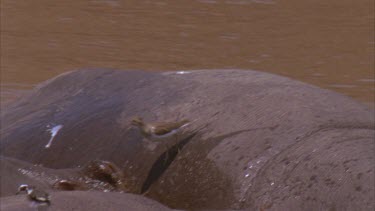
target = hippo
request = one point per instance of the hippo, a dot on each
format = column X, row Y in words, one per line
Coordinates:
column 256, row 141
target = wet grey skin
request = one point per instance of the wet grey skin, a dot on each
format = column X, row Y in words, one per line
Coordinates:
column 34, row 194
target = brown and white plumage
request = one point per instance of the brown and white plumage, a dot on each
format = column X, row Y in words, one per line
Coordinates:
column 34, row 194
column 158, row 130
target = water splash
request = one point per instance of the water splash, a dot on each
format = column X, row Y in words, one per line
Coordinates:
column 53, row 132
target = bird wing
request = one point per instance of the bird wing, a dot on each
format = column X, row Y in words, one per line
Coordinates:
column 40, row 196
column 163, row 128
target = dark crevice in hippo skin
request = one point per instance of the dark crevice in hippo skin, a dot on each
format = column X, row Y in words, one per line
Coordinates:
column 163, row 162
column 214, row 184
column 221, row 190
column 165, row 159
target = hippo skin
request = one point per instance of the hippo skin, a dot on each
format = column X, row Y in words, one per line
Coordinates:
column 257, row 141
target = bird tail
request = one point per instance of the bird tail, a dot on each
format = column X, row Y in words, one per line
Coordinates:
column 186, row 122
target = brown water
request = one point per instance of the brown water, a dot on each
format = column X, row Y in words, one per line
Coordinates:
column 326, row 43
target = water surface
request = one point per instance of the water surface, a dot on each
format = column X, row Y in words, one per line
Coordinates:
column 326, row 43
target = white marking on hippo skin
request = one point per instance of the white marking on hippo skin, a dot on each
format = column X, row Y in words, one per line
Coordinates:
column 53, row 132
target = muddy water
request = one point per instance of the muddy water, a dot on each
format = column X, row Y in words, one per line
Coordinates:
column 326, row 43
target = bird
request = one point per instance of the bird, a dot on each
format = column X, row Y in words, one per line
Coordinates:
column 158, row 130
column 34, row 194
